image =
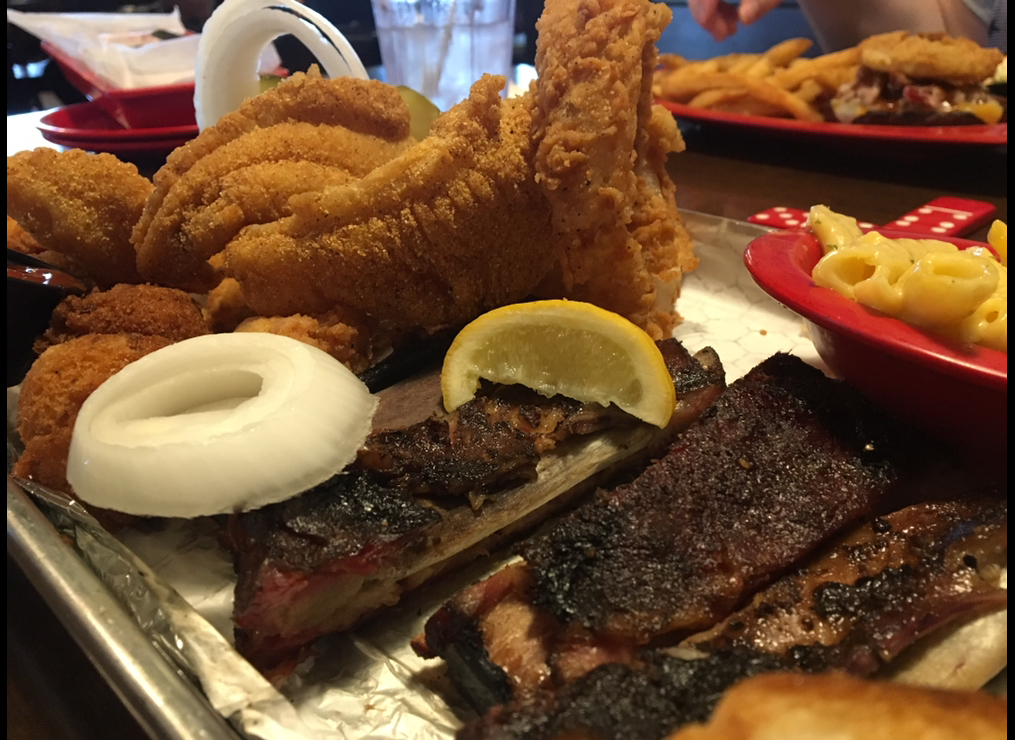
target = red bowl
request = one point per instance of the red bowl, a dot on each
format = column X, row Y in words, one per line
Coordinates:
column 955, row 390
column 145, row 107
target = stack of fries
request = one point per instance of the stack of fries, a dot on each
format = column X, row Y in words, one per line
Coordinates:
column 777, row 82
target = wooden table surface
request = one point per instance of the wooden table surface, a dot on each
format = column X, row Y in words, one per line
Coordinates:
column 52, row 689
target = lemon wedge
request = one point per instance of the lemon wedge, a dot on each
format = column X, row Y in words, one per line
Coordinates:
column 567, row 347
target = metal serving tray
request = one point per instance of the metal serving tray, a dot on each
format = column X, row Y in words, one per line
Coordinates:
column 180, row 676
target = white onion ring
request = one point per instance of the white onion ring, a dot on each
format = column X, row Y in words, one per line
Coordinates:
column 215, row 424
column 231, row 43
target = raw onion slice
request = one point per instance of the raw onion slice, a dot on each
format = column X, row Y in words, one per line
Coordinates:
column 215, row 424
column 231, row 43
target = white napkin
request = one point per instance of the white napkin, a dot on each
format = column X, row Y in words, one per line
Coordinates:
column 107, row 44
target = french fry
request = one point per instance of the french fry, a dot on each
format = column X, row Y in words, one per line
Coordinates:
column 733, row 100
column 809, row 90
column 671, row 62
column 777, row 82
column 786, row 51
column 793, row 76
column 685, row 87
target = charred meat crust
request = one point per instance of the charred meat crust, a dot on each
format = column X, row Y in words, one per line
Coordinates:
column 496, row 441
column 319, row 562
column 781, row 463
column 879, row 589
column 859, row 603
column 339, row 518
column 487, row 445
column 785, row 459
column 617, row 701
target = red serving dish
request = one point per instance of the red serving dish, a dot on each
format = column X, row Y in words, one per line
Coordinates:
column 955, row 390
column 994, row 134
column 143, row 107
column 87, row 126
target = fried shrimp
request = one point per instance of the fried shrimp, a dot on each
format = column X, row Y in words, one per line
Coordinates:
column 601, row 157
column 53, row 195
column 454, row 226
column 303, row 135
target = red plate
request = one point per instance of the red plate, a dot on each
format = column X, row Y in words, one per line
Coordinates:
column 989, row 134
column 956, row 390
column 88, row 126
column 145, row 107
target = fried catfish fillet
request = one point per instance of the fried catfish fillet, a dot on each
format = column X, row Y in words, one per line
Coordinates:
column 53, row 195
column 454, row 226
column 305, row 134
column 601, row 159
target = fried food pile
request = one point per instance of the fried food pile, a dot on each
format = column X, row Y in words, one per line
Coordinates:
column 91, row 338
column 311, row 211
column 301, row 137
column 453, row 226
column 891, row 78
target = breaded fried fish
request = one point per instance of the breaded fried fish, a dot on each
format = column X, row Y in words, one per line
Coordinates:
column 601, row 158
column 304, row 135
column 54, row 196
column 454, row 226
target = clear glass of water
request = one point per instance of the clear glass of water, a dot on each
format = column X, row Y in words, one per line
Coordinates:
column 440, row 47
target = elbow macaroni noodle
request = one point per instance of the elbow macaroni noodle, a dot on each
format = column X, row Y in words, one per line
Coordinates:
column 925, row 282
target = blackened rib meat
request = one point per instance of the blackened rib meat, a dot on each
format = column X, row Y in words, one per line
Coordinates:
column 884, row 586
column 868, row 596
column 782, row 462
column 496, row 440
column 319, row 562
column 646, row 700
column 487, row 445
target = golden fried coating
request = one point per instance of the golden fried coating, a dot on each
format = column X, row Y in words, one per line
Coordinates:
column 20, row 240
column 667, row 251
column 54, row 389
column 82, row 205
column 454, row 226
column 225, row 308
column 345, row 123
column 126, row 309
column 959, row 61
column 601, row 157
column 589, row 59
column 791, row 706
column 339, row 333
column 247, row 181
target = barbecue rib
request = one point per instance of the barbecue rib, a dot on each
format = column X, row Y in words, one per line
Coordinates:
column 867, row 597
column 888, row 583
column 783, row 461
column 417, row 499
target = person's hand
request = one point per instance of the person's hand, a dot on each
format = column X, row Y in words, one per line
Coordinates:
column 720, row 18
column 717, row 17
